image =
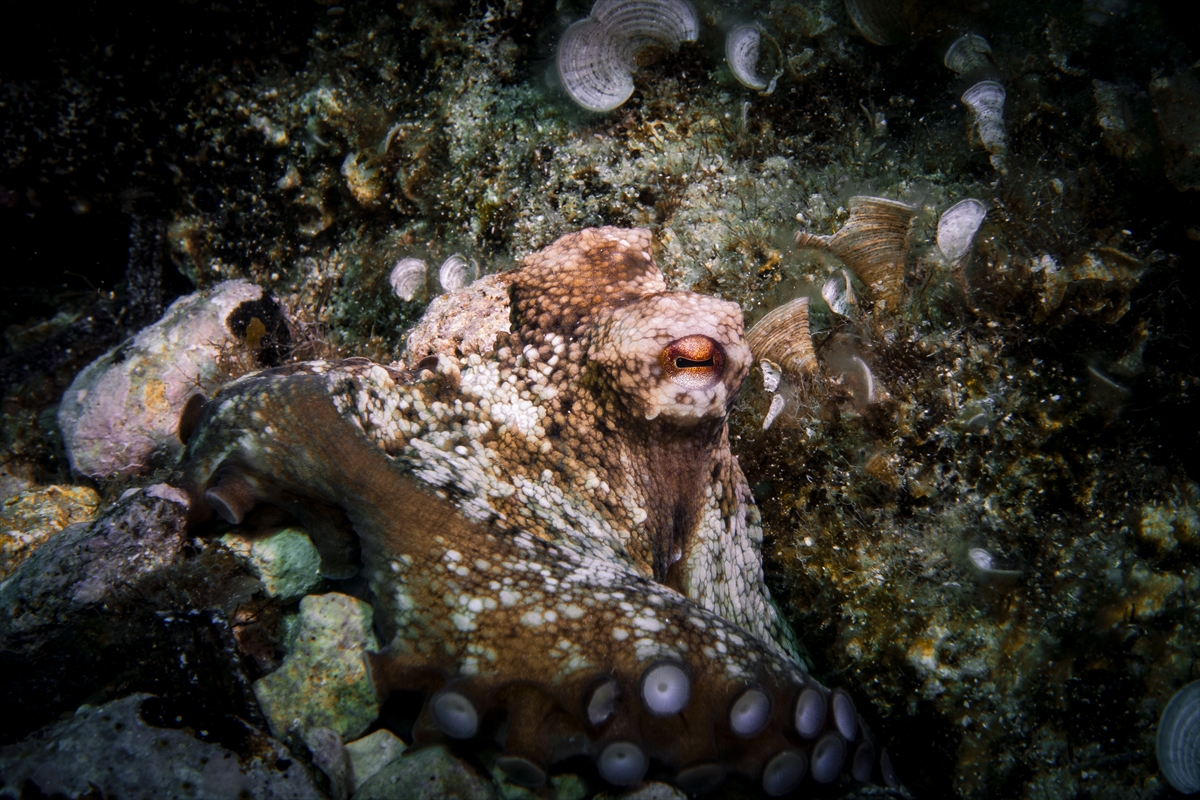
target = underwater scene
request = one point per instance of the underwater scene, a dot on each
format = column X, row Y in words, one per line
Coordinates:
column 628, row 399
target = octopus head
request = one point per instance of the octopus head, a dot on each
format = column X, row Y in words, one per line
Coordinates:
column 672, row 356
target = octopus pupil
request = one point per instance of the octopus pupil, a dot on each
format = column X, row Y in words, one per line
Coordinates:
column 683, row 363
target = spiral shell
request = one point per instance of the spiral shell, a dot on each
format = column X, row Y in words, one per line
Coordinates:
column 968, row 53
column 782, row 337
column 742, row 52
column 873, row 244
column 457, row 272
column 407, row 278
column 1178, row 742
column 598, row 55
column 986, row 101
column 957, row 227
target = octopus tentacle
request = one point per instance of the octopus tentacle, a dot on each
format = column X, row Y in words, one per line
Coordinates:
column 597, row 592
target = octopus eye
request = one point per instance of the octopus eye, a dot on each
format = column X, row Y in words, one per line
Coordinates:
column 693, row 362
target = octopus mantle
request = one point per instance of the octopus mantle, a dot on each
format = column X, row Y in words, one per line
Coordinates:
column 563, row 552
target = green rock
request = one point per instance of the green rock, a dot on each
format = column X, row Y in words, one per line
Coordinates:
column 323, row 681
column 431, row 773
column 286, row 562
column 569, row 787
column 372, row 753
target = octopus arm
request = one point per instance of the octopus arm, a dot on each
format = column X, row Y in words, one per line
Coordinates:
column 544, row 646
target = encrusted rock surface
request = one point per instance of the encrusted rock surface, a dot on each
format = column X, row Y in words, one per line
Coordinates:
column 323, row 681
column 128, row 600
column 120, row 416
column 286, row 561
column 34, row 515
column 428, row 774
column 140, row 747
column 372, row 753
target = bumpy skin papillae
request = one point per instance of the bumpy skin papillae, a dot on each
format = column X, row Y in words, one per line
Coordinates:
column 531, row 518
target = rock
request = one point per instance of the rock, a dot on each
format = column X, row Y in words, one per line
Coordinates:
column 330, row 757
column 286, row 561
column 372, row 753
column 114, row 751
column 128, row 601
column 1177, row 110
column 323, row 682
column 1119, row 127
column 651, row 790
column 569, row 787
column 431, row 773
column 30, row 517
column 120, row 415
column 12, row 482
column 89, row 565
column 465, row 321
column 562, row 787
column 1167, row 525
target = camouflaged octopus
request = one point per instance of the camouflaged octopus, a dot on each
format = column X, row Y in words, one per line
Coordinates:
column 562, row 550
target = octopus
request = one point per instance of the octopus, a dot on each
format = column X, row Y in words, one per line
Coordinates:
column 562, row 551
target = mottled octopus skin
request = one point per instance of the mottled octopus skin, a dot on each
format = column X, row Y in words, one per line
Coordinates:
column 542, row 515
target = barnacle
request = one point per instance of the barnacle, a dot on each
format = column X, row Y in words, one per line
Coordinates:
column 873, row 243
column 782, row 337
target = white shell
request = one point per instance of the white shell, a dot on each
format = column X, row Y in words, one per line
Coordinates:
column 957, row 228
column 742, row 51
column 981, row 558
column 407, row 278
column 598, row 55
column 866, row 382
column 838, row 292
column 986, row 101
column 967, row 53
column 986, row 566
column 456, row 272
column 590, row 68
column 777, row 404
column 771, row 375
column 639, row 23
column 1046, row 262
column 1178, row 742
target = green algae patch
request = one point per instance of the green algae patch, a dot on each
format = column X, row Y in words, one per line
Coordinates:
column 323, row 682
